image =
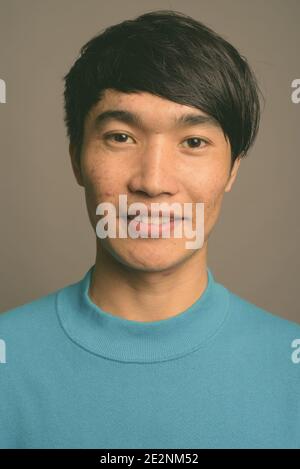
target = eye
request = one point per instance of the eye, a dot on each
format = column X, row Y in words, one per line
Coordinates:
column 195, row 142
column 121, row 137
column 117, row 137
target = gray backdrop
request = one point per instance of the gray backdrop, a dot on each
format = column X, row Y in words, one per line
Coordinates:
column 46, row 238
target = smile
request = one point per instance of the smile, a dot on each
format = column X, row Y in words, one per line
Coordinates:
column 148, row 226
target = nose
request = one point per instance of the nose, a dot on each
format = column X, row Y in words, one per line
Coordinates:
column 155, row 173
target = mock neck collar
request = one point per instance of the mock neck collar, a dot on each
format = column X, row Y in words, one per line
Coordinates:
column 125, row 340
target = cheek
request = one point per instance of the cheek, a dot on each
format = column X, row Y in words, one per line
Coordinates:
column 209, row 186
column 101, row 185
column 100, row 179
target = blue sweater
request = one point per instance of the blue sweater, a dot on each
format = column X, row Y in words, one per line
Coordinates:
column 221, row 374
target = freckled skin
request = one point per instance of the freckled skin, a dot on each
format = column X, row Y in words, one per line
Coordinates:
column 154, row 165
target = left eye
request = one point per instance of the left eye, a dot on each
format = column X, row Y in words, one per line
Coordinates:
column 117, row 137
column 195, row 141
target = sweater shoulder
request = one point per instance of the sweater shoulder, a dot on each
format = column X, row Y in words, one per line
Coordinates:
column 31, row 318
column 32, row 330
column 29, row 311
column 244, row 312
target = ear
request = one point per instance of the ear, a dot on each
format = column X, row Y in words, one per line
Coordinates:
column 75, row 164
column 233, row 174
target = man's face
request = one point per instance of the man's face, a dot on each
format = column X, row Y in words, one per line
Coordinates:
column 152, row 160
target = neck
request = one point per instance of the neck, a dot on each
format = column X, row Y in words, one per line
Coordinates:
column 147, row 296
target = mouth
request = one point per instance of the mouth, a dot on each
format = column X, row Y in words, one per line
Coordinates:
column 154, row 226
column 154, row 220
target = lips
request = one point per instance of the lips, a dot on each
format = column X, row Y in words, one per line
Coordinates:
column 161, row 216
column 151, row 220
column 148, row 227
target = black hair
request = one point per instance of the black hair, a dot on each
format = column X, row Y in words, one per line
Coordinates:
column 171, row 55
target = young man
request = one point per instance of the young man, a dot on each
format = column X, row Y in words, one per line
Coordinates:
column 148, row 350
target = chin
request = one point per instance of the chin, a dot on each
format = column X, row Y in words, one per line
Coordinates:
column 148, row 257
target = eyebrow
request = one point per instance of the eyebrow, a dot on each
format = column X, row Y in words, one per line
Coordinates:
column 131, row 118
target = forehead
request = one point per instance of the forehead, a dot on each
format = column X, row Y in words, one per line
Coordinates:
column 115, row 97
column 146, row 110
